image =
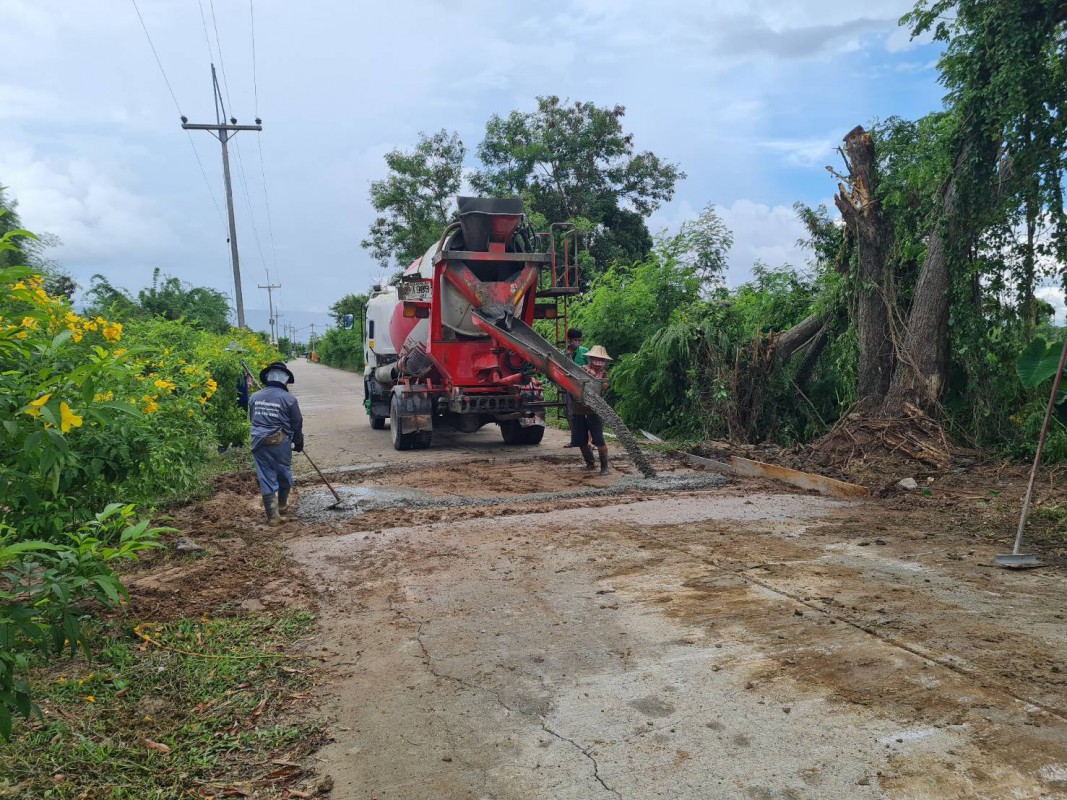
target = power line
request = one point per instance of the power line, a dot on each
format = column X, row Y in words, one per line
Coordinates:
column 207, row 38
column 160, row 63
column 248, row 202
column 266, row 201
column 218, row 47
column 207, row 182
column 173, row 97
column 255, row 85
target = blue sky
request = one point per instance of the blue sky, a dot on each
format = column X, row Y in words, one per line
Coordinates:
column 749, row 101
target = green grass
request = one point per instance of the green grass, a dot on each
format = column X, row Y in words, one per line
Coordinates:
column 225, row 713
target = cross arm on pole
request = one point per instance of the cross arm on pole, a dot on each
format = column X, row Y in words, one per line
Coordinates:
column 207, row 126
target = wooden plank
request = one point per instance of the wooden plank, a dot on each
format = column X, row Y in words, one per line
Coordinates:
column 748, row 468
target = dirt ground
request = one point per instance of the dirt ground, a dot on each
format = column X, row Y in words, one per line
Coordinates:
column 746, row 641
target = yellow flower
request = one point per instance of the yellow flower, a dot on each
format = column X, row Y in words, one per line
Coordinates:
column 103, row 397
column 30, row 323
column 203, row 400
column 18, row 287
column 151, row 407
column 90, row 699
column 68, row 419
column 212, row 385
column 120, row 352
column 113, row 331
column 77, row 336
column 162, row 384
column 35, row 407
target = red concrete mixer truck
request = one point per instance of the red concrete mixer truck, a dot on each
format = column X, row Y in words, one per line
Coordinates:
column 453, row 344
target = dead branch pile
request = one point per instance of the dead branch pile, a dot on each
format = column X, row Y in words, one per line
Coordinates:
column 915, row 436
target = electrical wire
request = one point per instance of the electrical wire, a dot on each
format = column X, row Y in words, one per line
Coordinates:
column 259, row 143
column 255, row 84
column 166, row 80
column 218, row 48
column 266, row 202
column 207, row 38
column 177, row 106
column 248, row 202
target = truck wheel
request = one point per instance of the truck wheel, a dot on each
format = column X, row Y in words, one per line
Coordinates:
column 533, row 434
column 401, row 441
column 378, row 423
column 513, row 433
column 509, row 431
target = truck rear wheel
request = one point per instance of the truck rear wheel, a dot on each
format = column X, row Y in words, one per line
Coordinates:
column 416, row 440
column 515, row 434
column 378, row 423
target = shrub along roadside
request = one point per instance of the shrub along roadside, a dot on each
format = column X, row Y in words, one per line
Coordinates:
column 96, row 420
column 342, row 349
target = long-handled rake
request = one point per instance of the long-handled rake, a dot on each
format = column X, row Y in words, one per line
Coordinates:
column 1016, row 559
column 334, row 506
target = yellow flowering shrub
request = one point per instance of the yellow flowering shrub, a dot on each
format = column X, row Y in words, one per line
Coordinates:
column 100, row 410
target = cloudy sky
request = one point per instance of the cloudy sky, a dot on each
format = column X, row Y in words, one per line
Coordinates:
column 749, row 99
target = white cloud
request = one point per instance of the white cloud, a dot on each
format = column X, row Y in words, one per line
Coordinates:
column 762, row 233
column 741, row 97
column 93, row 212
column 813, row 152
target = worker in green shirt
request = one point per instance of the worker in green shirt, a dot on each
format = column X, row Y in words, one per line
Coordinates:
column 577, row 354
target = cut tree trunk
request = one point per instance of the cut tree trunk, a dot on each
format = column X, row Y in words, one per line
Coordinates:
column 922, row 363
column 863, row 215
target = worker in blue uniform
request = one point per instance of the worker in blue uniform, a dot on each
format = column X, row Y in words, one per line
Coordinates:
column 277, row 431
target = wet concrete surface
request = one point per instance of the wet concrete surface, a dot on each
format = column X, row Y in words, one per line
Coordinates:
column 671, row 641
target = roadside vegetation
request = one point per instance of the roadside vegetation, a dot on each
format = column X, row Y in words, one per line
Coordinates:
column 190, row 708
column 108, row 414
column 914, row 321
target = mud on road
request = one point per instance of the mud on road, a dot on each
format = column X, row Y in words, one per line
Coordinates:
column 731, row 641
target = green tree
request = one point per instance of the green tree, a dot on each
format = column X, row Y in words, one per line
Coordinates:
column 354, row 304
column 167, row 297
column 572, row 161
column 414, row 201
column 1004, row 68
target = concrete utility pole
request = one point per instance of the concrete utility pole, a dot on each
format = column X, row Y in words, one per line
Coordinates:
column 223, row 132
column 270, row 302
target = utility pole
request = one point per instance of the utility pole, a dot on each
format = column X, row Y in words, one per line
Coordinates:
column 223, row 132
column 270, row 301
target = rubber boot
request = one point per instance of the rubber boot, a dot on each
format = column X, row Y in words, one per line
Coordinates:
column 603, row 451
column 283, row 501
column 587, row 454
column 270, row 505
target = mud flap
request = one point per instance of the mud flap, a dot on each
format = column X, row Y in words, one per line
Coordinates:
column 415, row 411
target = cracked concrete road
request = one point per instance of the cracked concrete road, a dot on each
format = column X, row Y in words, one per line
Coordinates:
column 731, row 643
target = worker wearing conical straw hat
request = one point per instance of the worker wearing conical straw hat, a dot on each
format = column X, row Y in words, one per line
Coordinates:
column 587, row 426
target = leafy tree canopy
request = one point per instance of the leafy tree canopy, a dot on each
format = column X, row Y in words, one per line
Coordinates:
column 414, row 201
column 353, row 304
column 576, row 160
column 167, row 297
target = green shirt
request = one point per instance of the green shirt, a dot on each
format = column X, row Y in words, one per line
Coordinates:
column 580, row 357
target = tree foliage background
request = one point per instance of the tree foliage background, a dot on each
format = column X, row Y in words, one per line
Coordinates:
column 920, row 299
